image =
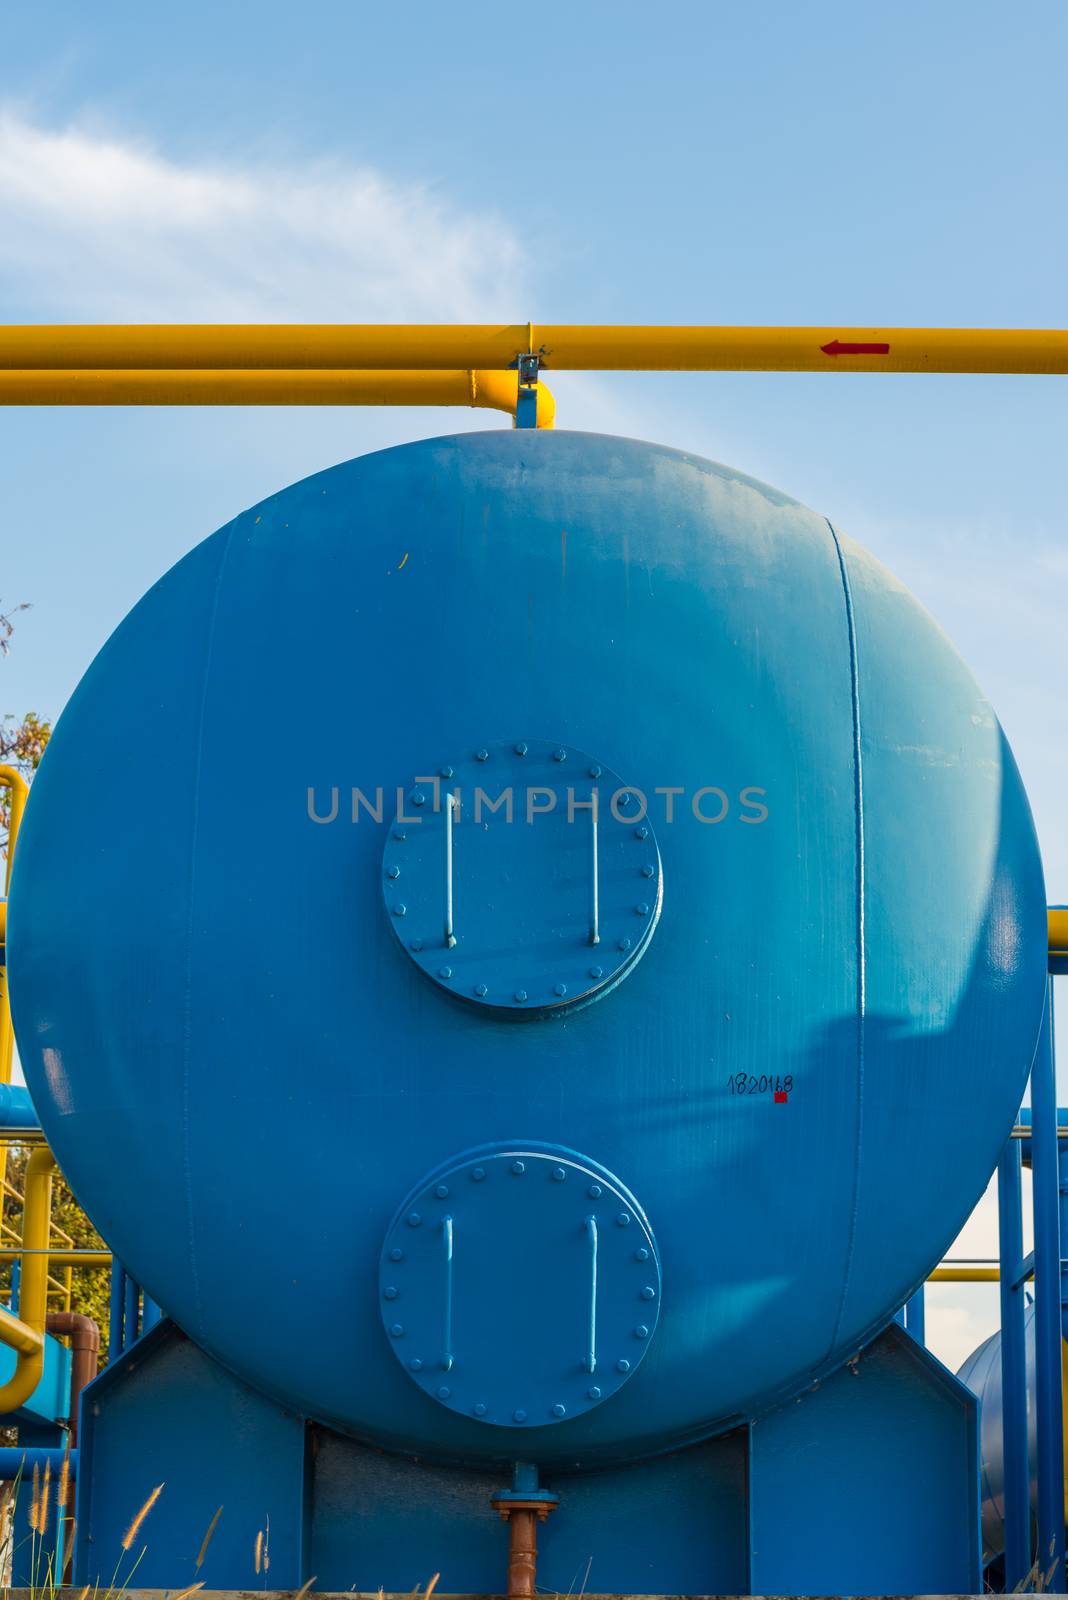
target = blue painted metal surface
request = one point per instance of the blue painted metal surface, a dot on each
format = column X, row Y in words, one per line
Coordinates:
column 1014, row 1532
column 806, row 1023
column 916, row 1316
column 165, row 1413
column 870, row 1483
column 524, row 878
column 1048, row 1380
column 454, row 1282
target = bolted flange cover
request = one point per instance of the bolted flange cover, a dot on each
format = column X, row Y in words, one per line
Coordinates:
column 520, row 1285
column 523, row 877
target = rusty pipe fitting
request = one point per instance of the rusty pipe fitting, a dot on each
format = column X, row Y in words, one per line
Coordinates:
column 523, row 1506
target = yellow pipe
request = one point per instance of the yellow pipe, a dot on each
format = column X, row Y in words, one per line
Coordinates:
column 11, row 779
column 561, row 346
column 965, row 1275
column 1057, row 917
column 263, row 386
column 25, row 1333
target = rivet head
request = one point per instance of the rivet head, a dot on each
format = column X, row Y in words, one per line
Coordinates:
column 414, row 1219
column 559, row 755
column 399, row 833
column 444, row 972
column 593, row 1393
column 479, row 1409
column 521, row 748
column 477, row 1174
column 623, row 1219
column 519, row 1416
column 444, row 1392
column 481, row 990
column 622, row 1366
column 442, row 1191
column 642, row 909
column 648, row 1293
column 519, row 1167
column 390, row 1292
column 559, row 1174
column 641, row 1331
column 596, row 972
column 418, row 797
column 415, row 1365
column 559, row 1411
column 400, row 909
column 624, row 944
column 642, row 832
column 396, row 1254
column 520, row 996
column 560, row 989
column 594, row 1191
column 397, row 1330
column 481, row 755
column 648, row 870
column 446, row 772
column 595, row 771
column 641, row 1254
column 393, row 872
column 415, row 944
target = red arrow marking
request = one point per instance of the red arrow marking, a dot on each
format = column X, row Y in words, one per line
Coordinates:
column 838, row 348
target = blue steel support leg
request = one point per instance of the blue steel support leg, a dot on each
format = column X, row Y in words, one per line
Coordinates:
column 118, row 1309
column 131, row 1318
column 1048, row 1310
column 1017, row 1488
column 915, row 1316
column 150, row 1312
column 1062, row 1188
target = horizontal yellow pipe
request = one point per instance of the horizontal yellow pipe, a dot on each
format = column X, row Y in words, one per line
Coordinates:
column 965, row 1275
column 561, row 346
column 151, row 385
column 1058, row 930
column 17, row 1336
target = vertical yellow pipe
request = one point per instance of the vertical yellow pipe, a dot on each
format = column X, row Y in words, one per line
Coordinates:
column 25, row 1333
column 12, row 780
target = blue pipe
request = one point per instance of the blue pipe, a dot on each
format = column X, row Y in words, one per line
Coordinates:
column 1016, row 1468
column 16, row 1109
column 13, row 1459
column 1046, row 1202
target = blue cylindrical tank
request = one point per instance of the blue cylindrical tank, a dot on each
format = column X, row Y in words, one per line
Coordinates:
column 982, row 1373
column 651, row 1197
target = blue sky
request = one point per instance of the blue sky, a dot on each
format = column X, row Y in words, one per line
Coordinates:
column 822, row 163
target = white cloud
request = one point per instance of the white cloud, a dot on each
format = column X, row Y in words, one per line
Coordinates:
column 99, row 227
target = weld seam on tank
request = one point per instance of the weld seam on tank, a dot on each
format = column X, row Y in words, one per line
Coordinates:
column 187, row 998
column 858, row 808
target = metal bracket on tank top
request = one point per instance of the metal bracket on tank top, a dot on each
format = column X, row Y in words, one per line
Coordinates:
column 526, row 405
